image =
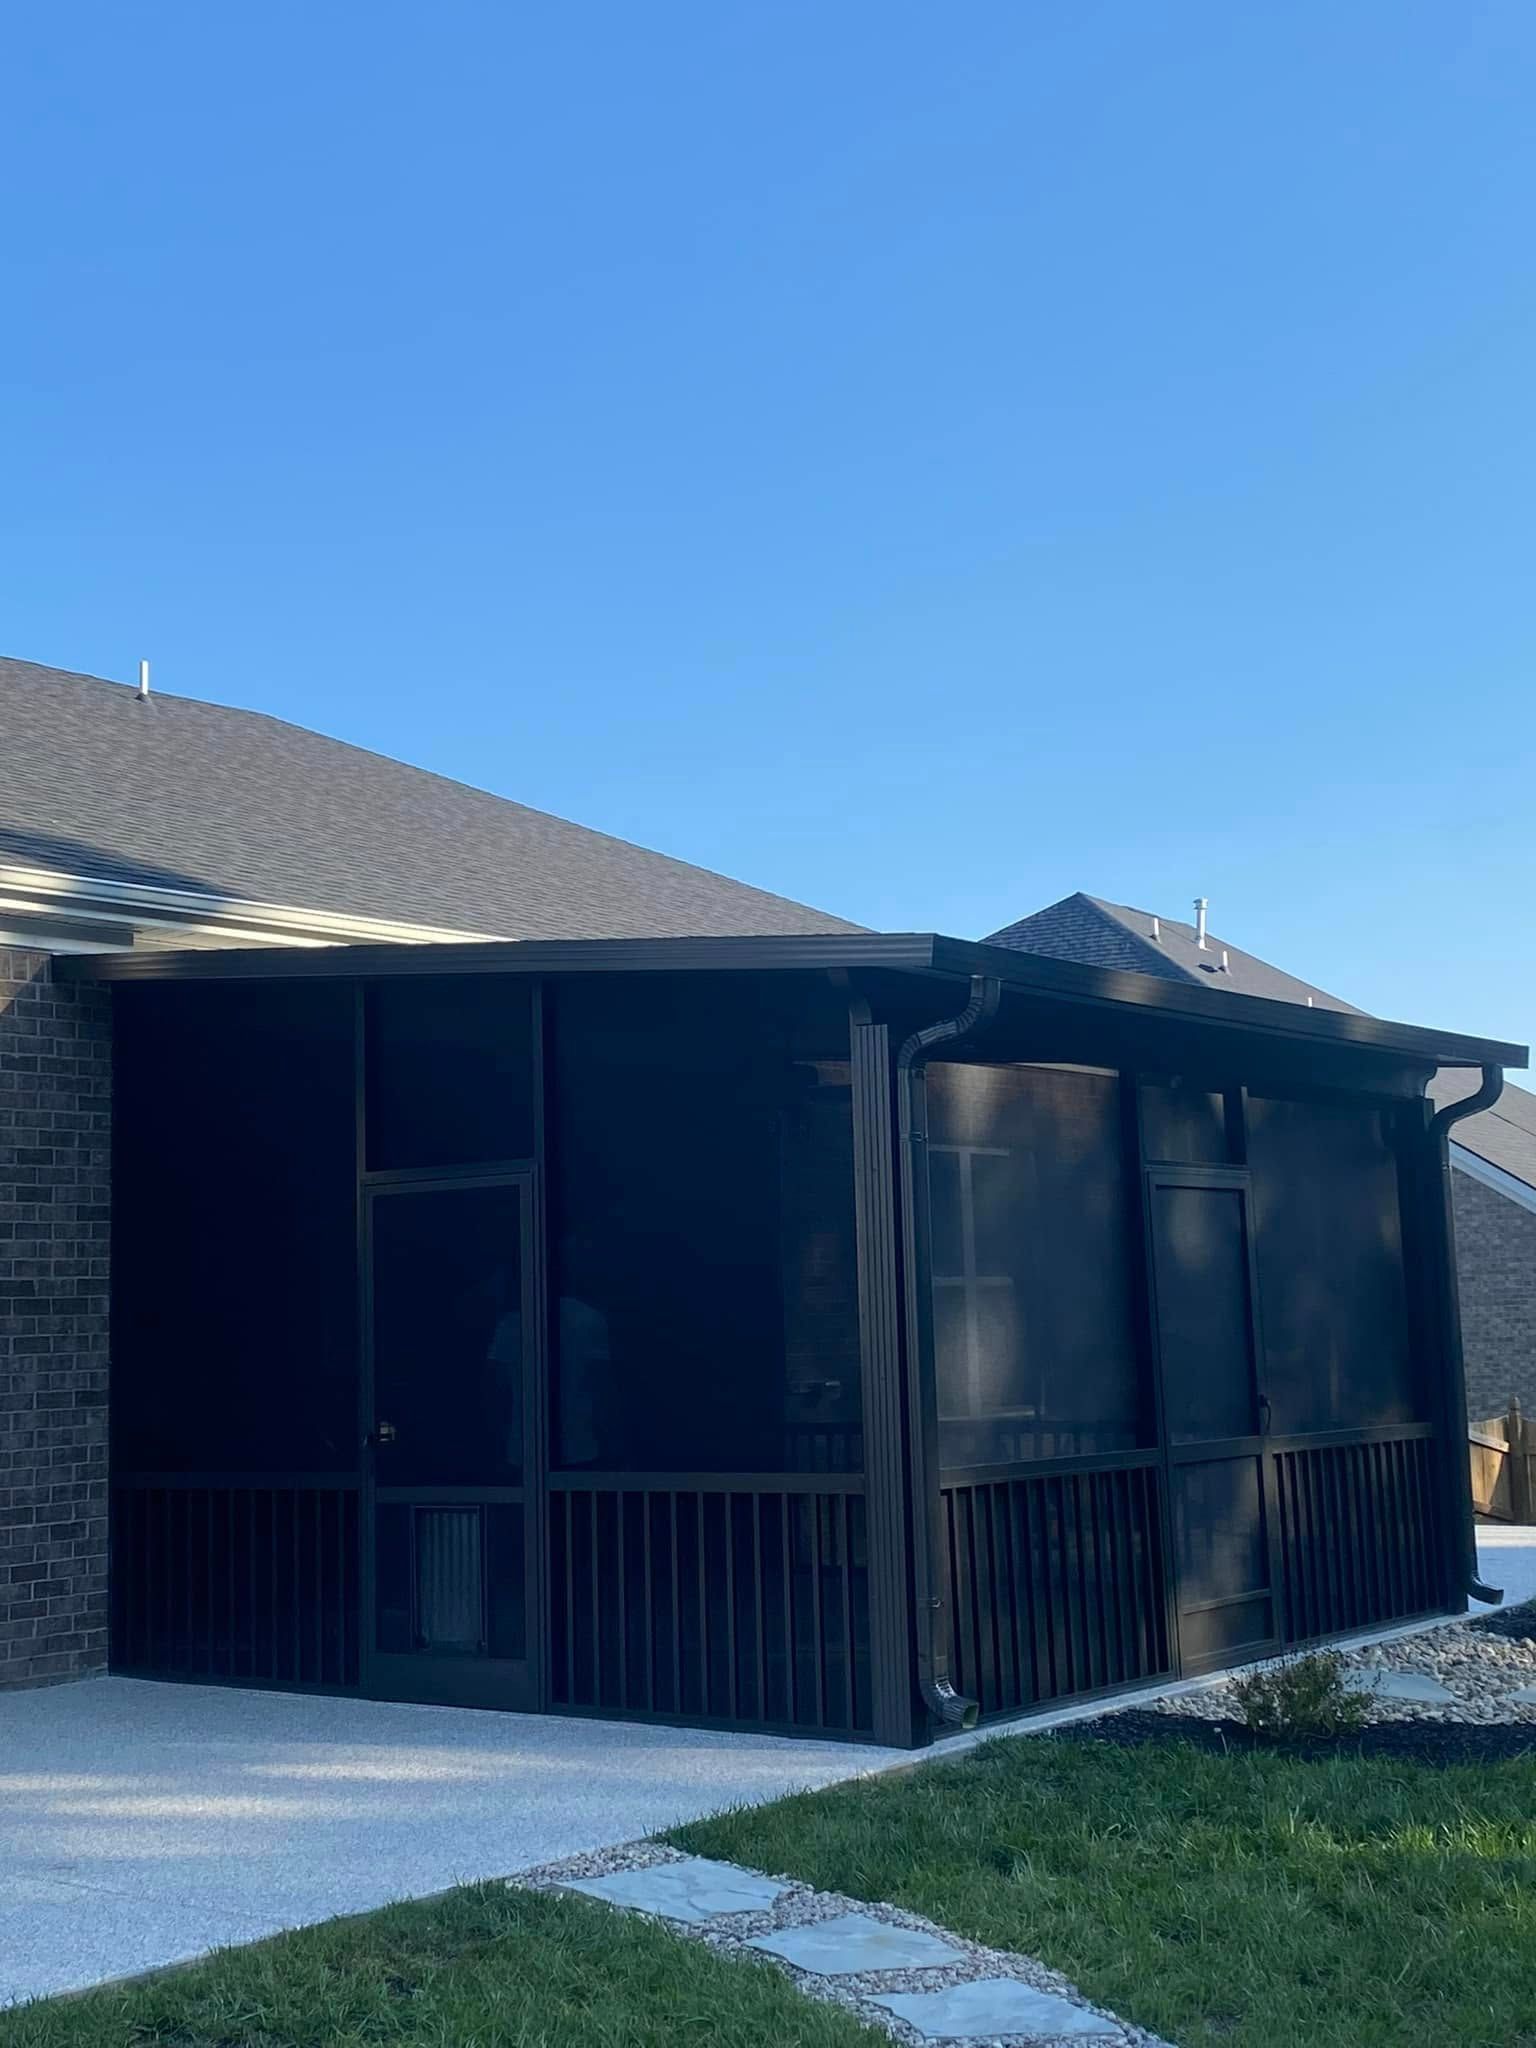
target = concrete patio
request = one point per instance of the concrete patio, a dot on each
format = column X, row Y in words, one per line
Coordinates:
column 141, row 1824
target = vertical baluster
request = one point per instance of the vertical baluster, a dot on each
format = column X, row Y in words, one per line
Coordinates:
column 677, row 1610
column 813, row 1500
column 791, row 1648
column 650, row 1605
column 597, row 1601
column 621, row 1580
column 761, row 1607
column 848, row 1617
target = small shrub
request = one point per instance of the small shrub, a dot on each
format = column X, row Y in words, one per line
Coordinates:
column 1303, row 1696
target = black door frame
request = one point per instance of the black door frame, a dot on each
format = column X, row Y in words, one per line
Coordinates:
column 521, row 1684
column 1258, row 1445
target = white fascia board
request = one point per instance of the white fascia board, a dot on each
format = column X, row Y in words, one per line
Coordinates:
column 1502, row 1183
column 282, row 923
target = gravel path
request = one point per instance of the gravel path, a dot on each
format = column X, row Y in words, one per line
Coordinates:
column 800, row 1906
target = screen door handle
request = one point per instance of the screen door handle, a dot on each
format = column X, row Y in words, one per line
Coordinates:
column 381, row 1433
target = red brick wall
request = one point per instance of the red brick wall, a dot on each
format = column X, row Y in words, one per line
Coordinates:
column 55, row 1142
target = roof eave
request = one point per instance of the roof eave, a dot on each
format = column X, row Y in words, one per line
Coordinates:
column 908, row 952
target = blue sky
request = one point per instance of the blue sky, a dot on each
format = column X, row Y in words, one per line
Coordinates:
column 923, row 461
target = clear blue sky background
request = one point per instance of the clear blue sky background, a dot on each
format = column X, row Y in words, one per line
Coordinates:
column 921, row 460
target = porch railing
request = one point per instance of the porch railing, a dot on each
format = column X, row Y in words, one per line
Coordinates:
column 739, row 1599
column 1359, row 1533
column 1057, row 1579
column 250, row 1578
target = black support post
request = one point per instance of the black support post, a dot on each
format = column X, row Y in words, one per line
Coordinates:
column 888, row 1505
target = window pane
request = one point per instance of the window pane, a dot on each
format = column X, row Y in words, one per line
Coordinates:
column 1183, row 1123
column 449, row 1072
column 1330, row 1252
column 1034, row 1337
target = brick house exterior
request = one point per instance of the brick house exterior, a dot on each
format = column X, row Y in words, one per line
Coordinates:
column 1496, row 1271
column 55, row 1141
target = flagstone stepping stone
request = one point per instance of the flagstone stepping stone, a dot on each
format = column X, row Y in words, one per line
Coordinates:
column 854, row 1942
column 993, row 2006
column 1407, row 1686
column 1525, row 1697
column 691, row 1892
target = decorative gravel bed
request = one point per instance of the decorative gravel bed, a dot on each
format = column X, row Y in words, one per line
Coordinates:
column 801, row 1906
column 1482, row 1663
column 1418, row 1741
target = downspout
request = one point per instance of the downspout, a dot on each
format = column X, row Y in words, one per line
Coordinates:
column 1449, row 1303
column 933, row 1678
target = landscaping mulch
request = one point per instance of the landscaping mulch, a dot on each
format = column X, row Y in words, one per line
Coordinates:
column 1422, row 1742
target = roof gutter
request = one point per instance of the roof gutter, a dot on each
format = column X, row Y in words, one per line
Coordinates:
column 1449, row 1311
column 949, row 1707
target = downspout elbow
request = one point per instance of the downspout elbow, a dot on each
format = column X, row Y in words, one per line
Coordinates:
column 1484, row 1096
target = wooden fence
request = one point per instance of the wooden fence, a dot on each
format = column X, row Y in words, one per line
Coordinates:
column 1503, row 1453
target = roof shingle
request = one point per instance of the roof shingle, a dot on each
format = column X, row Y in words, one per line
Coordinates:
column 181, row 794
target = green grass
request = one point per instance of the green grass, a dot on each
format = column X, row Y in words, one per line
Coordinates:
column 484, row 1967
column 1254, row 1900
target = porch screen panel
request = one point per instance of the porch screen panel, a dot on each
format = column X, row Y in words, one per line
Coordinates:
column 1332, row 1291
column 235, row 1258
column 704, row 1295
column 449, row 1071
column 1183, row 1123
column 1033, row 1328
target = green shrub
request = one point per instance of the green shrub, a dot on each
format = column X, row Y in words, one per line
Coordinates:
column 1303, row 1696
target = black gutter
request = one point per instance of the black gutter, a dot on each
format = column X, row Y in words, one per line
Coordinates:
column 933, row 1678
column 925, row 953
column 1448, row 1299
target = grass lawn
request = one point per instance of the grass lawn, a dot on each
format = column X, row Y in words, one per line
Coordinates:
column 484, row 1967
column 1254, row 1900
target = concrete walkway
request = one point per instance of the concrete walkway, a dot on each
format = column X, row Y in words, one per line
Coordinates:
column 1508, row 1560
column 141, row 1824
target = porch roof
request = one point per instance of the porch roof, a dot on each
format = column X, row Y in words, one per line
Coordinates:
column 917, row 953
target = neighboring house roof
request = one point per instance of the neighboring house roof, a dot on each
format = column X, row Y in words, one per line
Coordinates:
column 1100, row 934
column 171, row 794
column 1503, row 1138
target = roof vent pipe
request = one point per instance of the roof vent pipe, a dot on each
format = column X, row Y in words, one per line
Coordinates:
column 1226, row 964
column 143, row 689
column 1202, row 905
column 1157, row 929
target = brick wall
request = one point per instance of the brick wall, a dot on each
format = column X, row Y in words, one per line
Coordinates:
column 1496, row 1273
column 55, row 1137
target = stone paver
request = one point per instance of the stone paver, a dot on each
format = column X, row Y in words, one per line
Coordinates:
column 853, row 1943
column 1405, row 1685
column 691, row 1892
column 1525, row 1697
column 993, row 2006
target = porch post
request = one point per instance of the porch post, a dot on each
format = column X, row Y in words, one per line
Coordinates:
column 887, row 1501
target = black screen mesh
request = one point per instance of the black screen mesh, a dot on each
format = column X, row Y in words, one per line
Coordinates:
column 1034, row 1341
column 449, row 1069
column 235, row 1230
column 1330, row 1253
column 705, row 1309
